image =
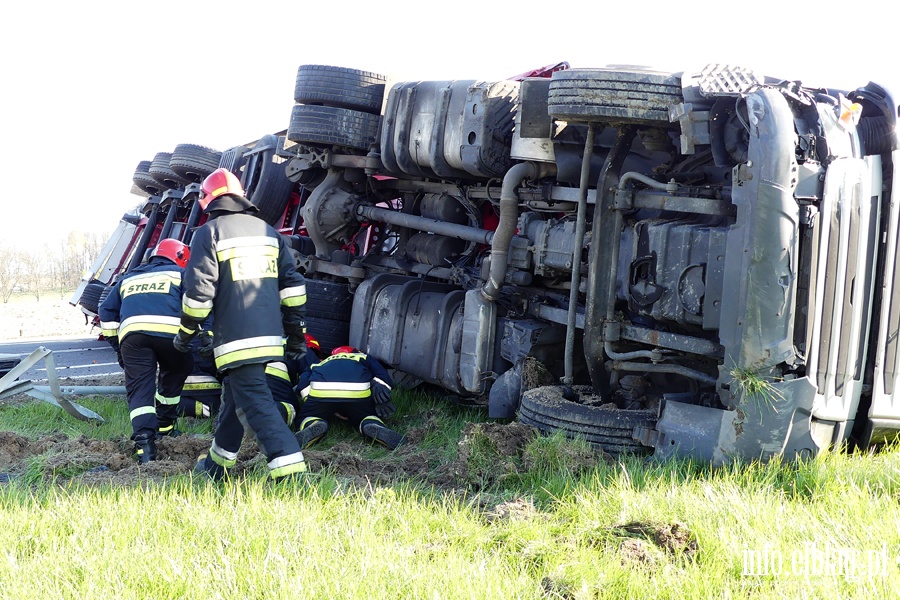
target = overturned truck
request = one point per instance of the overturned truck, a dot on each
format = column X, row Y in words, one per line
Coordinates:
column 690, row 264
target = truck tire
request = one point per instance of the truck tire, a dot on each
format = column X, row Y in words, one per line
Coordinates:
column 90, row 297
column 193, row 163
column 613, row 95
column 339, row 87
column 329, row 333
column 608, row 428
column 145, row 181
column 163, row 173
column 104, row 295
column 328, row 300
column 333, row 126
column 267, row 183
column 328, row 308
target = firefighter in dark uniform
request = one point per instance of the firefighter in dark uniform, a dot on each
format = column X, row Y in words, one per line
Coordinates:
column 351, row 385
column 242, row 272
column 283, row 376
column 202, row 393
column 139, row 319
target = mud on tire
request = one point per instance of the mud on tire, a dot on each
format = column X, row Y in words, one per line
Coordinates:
column 602, row 425
column 614, row 95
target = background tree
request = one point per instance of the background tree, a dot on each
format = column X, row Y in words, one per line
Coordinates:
column 10, row 270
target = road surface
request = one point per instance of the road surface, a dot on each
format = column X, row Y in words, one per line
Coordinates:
column 76, row 358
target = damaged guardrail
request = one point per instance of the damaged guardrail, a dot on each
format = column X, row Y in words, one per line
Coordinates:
column 52, row 393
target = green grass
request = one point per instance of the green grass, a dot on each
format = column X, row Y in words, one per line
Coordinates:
column 554, row 522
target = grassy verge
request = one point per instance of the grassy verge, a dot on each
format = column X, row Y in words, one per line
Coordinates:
column 552, row 520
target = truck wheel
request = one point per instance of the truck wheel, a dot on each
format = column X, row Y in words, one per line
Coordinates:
column 90, row 297
column 193, row 163
column 328, row 300
column 328, row 308
column 605, row 426
column 163, row 173
column 267, row 183
column 613, row 95
column 329, row 333
column 145, row 181
column 333, row 126
column 104, row 295
column 339, row 87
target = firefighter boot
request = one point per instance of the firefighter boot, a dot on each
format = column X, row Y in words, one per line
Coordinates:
column 167, row 429
column 207, row 466
column 312, row 429
column 145, row 447
column 375, row 428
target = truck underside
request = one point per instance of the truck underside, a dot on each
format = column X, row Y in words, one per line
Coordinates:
column 689, row 264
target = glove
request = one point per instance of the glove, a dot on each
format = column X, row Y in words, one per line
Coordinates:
column 182, row 342
column 119, row 358
column 295, row 348
column 206, row 345
column 385, row 410
column 381, row 394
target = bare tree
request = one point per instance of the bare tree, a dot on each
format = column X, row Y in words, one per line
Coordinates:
column 10, row 271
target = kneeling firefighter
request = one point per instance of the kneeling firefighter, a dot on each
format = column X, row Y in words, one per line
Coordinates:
column 353, row 385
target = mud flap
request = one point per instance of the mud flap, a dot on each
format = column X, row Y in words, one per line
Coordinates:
column 505, row 394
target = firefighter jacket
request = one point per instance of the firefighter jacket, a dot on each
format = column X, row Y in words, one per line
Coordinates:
column 242, row 273
column 146, row 300
column 343, row 377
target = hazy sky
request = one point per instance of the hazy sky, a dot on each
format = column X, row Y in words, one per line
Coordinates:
column 91, row 88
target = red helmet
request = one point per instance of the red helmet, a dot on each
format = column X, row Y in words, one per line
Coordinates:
column 344, row 350
column 174, row 250
column 312, row 342
column 218, row 183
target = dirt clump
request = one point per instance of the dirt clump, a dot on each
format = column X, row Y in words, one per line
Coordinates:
column 674, row 539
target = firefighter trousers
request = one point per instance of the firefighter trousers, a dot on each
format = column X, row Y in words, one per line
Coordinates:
column 153, row 403
column 247, row 402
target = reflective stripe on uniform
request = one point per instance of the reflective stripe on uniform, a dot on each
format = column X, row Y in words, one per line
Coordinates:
column 244, row 246
column 147, row 323
column 167, row 401
column 287, row 465
column 201, row 382
column 339, row 389
column 222, row 457
column 378, row 380
column 293, row 296
column 242, row 252
column 109, row 328
column 142, row 410
column 248, row 348
column 196, row 309
column 278, row 369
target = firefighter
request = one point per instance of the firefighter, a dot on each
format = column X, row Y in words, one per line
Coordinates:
column 242, row 273
column 139, row 319
column 202, row 393
column 351, row 385
column 283, row 376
